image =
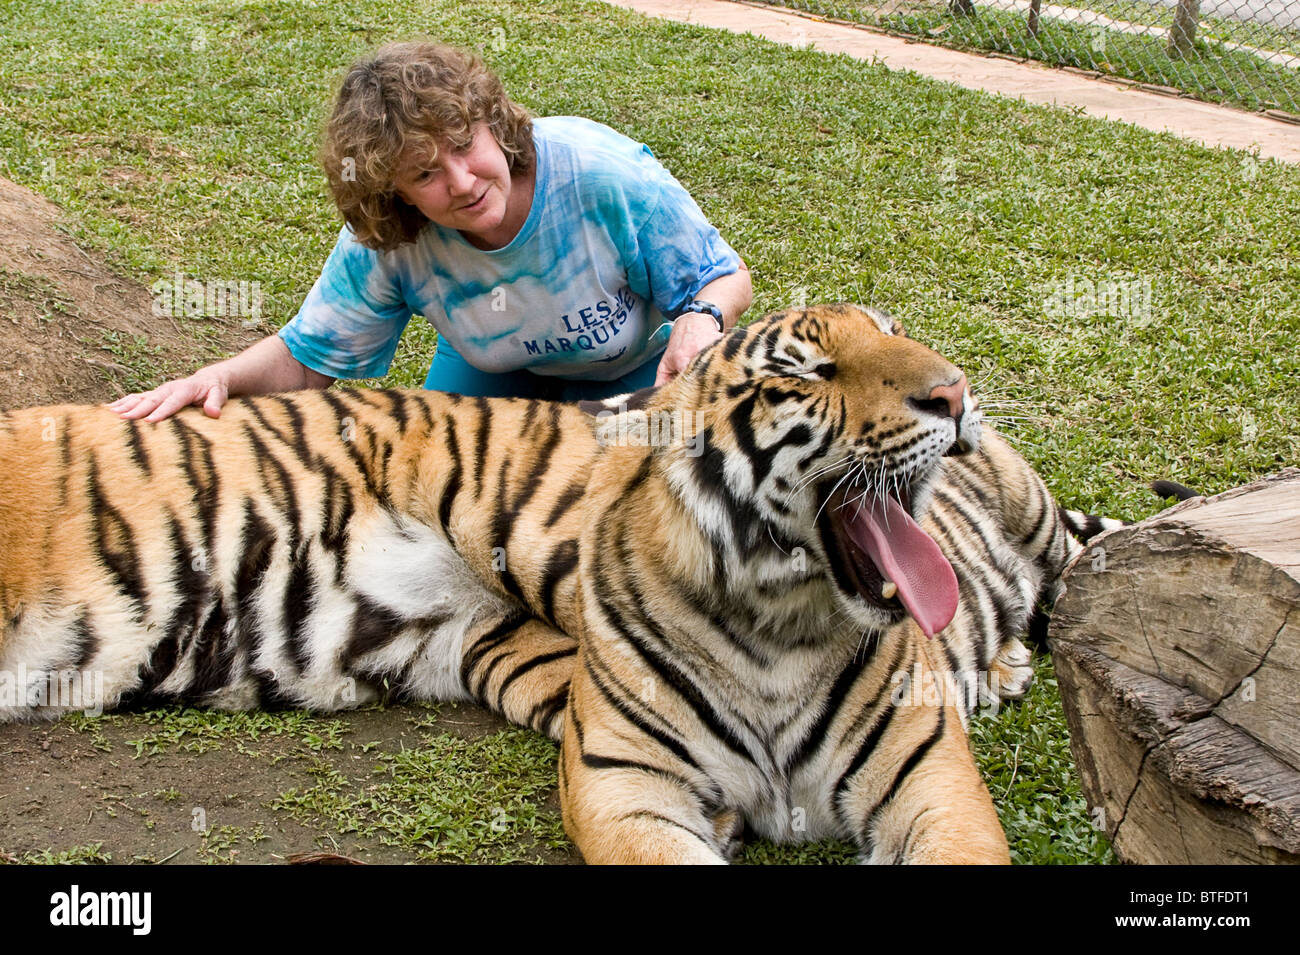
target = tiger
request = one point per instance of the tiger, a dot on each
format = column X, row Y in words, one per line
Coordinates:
column 790, row 623
column 721, row 596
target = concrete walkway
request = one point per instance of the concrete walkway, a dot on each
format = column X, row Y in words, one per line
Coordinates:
column 1203, row 122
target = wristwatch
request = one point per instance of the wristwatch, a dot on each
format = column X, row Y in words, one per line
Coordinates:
column 705, row 308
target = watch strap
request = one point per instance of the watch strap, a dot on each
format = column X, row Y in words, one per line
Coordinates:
column 705, row 308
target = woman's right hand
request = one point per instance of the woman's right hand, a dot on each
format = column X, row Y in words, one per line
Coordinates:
column 204, row 387
column 260, row 369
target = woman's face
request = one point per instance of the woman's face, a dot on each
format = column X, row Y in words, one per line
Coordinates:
column 466, row 189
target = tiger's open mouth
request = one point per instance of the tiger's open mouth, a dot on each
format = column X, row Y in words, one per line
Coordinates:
column 881, row 553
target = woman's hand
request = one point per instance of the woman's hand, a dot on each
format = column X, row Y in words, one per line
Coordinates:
column 204, row 387
column 692, row 331
column 260, row 369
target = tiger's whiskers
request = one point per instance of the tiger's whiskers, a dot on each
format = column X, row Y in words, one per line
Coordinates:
column 848, row 458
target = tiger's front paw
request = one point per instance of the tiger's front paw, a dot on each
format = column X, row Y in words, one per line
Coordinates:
column 1013, row 670
column 729, row 832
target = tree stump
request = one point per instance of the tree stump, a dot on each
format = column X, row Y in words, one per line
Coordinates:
column 1177, row 649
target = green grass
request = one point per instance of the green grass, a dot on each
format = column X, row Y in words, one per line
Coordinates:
column 135, row 355
column 42, row 295
column 1211, row 71
column 449, row 800
column 92, row 854
column 1023, row 752
column 221, row 844
column 203, row 731
column 837, row 180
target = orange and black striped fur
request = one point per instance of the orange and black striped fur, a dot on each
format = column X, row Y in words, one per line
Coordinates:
column 691, row 557
column 744, row 661
column 314, row 549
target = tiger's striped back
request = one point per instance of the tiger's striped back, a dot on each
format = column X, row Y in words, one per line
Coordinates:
column 314, row 549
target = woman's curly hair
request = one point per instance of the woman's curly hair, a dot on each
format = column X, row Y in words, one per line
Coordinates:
column 410, row 97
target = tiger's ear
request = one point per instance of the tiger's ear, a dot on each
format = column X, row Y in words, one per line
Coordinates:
column 633, row 401
column 625, row 420
column 885, row 322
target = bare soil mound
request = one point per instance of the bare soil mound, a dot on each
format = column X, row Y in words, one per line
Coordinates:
column 71, row 330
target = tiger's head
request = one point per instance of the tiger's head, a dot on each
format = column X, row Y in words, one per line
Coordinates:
column 804, row 445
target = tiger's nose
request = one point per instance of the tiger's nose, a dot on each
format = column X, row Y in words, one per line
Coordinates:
column 954, row 395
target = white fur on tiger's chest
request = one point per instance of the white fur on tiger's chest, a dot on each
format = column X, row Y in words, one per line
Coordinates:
column 795, row 808
column 767, row 710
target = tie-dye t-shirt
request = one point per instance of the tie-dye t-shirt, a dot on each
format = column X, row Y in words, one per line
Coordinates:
column 612, row 245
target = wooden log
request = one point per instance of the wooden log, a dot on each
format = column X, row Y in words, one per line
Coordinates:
column 1177, row 649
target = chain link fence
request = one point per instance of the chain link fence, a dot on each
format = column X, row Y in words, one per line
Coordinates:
column 1242, row 52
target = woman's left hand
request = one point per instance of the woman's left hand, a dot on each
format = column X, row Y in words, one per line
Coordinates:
column 692, row 331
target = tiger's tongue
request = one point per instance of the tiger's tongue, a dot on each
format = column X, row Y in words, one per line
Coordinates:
column 908, row 556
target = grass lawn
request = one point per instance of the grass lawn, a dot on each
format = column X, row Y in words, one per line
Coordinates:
column 1132, row 299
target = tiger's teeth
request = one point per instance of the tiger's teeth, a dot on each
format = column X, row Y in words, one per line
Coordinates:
column 889, row 590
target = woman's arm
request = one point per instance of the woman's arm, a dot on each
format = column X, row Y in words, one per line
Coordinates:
column 259, row 369
column 693, row 331
column 731, row 293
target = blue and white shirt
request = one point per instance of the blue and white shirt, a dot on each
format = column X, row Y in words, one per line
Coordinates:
column 611, row 246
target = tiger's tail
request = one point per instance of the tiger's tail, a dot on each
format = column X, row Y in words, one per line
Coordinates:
column 1179, row 492
column 1084, row 527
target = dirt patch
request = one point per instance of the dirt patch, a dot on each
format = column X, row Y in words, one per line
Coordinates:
column 100, row 792
column 72, row 330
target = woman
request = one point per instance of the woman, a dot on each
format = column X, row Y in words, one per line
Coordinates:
column 548, row 254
